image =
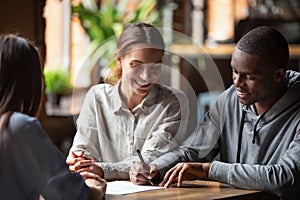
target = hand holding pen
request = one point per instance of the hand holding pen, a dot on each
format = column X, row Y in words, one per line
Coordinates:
column 146, row 167
column 142, row 173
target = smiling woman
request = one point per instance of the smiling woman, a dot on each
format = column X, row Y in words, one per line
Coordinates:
column 131, row 112
column 140, row 70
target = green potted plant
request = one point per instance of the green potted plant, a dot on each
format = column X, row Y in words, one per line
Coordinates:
column 57, row 83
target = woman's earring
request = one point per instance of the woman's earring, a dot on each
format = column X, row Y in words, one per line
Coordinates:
column 119, row 64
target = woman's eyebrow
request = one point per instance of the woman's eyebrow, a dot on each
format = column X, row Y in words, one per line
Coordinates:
column 138, row 61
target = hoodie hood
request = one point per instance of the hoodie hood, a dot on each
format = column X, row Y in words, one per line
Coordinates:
column 292, row 77
column 290, row 99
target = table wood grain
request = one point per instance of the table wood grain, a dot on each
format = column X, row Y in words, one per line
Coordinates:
column 192, row 190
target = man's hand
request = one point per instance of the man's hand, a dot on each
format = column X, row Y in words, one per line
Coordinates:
column 140, row 176
column 185, row 171
column 79, row 163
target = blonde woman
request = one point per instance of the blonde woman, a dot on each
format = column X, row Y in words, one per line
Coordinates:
column 133, row 113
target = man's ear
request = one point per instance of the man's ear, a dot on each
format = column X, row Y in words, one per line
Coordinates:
column 279, row 74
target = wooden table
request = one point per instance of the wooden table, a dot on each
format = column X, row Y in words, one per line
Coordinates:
column 196, row 190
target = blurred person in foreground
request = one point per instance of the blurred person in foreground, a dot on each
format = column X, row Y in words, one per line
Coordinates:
column 254, row 126
column 30, row 164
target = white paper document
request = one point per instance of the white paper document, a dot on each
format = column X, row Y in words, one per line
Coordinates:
column 127, row 187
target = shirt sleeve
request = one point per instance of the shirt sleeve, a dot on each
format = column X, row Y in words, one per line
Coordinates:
column 86, row 138
column 276, row 178
column 44, row 165
column 169, row 133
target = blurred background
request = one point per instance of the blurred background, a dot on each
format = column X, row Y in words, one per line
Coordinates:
column 77, row 40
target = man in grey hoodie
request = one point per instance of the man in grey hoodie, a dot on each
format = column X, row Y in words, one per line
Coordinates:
column 254, row 126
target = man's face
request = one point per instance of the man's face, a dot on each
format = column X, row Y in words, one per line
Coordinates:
column 253, row 80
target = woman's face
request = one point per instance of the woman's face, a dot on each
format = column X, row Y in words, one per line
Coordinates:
column 140, row 69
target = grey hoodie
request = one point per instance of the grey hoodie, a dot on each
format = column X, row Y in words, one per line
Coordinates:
column 256, row 152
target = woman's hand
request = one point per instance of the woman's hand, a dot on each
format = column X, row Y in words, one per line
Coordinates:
column 79, row 163
column 185, row 171
column 140, row 176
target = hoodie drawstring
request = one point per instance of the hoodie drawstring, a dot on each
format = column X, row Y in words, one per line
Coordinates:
column 255, row 127
column 241, row 132
column 240, row 136
column 254, row 132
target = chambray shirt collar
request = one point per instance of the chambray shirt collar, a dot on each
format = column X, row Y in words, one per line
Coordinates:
column 149, row 100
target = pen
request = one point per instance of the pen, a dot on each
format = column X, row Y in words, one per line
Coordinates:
column 144, row 164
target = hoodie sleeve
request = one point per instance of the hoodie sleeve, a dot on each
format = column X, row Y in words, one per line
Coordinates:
column 276, row 178
column 203, row 143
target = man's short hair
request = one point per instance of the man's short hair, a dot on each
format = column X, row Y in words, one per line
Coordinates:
column 266, row 43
